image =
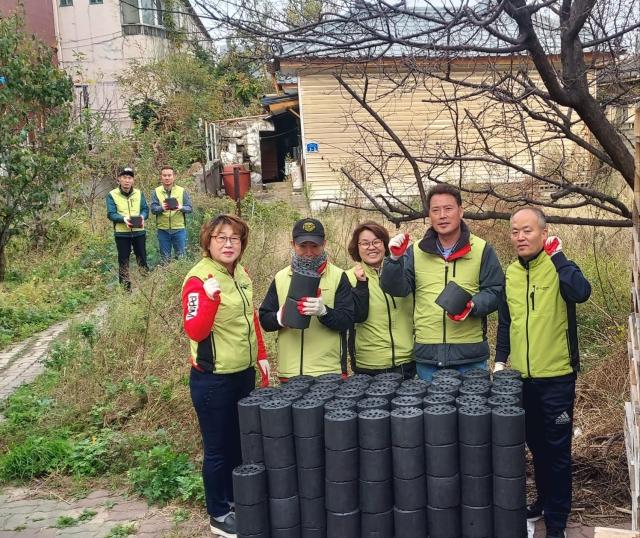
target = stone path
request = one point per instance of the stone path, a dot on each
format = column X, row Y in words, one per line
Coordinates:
column 23, row 515
column 23, row 362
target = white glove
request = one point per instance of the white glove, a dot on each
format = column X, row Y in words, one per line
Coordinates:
column 312, row 306
column 498, row 366
column 127, row 222
column 212, row 288
column 265, row 372
column 279, row 317
column 398, row 246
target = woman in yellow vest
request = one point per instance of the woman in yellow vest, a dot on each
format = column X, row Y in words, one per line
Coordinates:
column 226, row 345
column 381, row 339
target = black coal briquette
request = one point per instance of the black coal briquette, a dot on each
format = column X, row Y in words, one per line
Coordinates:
column 308, row 417
column 407, row 427
column 250, row 483
column 406, row 401
column 375, row 465
column 474, row 425
column 441, row 460
column 409, row 462
column 507, row 426
column 443, row 491
column 372, row 403
column 341, row 465
column 374, row 429
column 441, row 425
column 341, row 429
column 249, row 414
column 275, row 418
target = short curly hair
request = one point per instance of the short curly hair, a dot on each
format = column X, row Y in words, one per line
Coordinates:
column 238, row 225
column 376, row 229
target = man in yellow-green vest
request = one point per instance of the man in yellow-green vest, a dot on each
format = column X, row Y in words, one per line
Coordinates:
column 170, row 203
column 128, row 210
column 537, row 330
column 447, row 252
column 322, row 347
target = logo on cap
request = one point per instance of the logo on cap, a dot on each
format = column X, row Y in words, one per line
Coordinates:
column 308, row 226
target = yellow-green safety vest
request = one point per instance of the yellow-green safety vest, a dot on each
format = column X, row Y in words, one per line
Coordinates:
column 172, row 219
column 316, row 350
column 385, row 339
column 232, row 345
column 539, row 331
column 127, row 206
column 432, row 273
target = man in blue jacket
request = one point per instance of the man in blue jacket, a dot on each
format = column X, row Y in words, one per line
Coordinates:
column 128, row 210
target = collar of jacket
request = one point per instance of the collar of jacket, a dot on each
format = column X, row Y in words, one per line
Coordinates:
column 370, row 270
column 126, row 194
column 536, row 260
column 428, row 243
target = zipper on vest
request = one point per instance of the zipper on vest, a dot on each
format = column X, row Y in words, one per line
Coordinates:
column 301, row 351
column 444, row 314
column 393, row 344
column 533, row 298
column 244, row 311
column 526, row 298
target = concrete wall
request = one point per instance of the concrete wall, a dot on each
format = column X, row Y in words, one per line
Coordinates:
column 38, row 18
column 94, row 49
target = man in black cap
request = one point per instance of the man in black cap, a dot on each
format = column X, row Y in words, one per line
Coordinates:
column 321, row 348
column 128, row 210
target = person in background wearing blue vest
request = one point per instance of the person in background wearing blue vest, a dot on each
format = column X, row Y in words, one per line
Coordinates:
column 448, row 251
column 537, row 330
column 123, row 203
column 170, row 203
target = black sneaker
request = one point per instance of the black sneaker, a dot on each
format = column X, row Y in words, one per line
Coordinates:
column 225, row 528
column 556, row 533
column 534, row 511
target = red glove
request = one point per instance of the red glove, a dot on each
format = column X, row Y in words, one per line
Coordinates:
column 462, row 315
column 553, row 245
column 398, row 245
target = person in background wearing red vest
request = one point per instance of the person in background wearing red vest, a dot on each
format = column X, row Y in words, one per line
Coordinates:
column 226, row 345
column 447, row 252
column 125, row 206
column 170, row 203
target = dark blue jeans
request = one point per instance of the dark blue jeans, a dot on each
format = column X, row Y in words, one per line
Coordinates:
column 215, row 398
column 549, row 421
column 172, row 238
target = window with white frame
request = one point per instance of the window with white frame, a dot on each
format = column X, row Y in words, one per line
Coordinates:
column 148, row 12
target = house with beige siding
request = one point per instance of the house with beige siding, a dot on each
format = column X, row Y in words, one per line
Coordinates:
column 448, row 138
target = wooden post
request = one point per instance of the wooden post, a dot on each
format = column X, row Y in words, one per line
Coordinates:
column 632, row 408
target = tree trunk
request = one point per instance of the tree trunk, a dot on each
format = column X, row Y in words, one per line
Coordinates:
column 3, row 262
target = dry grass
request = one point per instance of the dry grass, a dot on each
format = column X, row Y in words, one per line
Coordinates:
column 136, row 375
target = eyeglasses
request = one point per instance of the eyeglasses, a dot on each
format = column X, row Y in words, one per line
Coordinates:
column 377, row 243
column 222, row 239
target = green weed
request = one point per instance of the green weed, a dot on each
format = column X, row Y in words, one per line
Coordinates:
column 70, row 521
column 162, row 475
column 36, row 456
column 122, row 530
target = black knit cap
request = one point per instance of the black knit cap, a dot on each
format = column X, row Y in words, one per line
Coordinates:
column 308, row 230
